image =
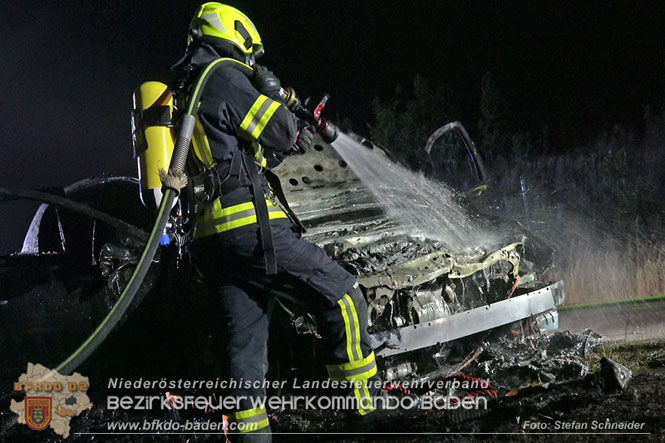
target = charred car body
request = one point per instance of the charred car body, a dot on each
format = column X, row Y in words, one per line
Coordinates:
column 420, row 294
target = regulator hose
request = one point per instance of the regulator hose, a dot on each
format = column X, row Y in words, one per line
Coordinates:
column 180, row 153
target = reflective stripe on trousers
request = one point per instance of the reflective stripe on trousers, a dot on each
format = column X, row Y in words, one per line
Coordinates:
column 250, row 420
column 359, row 369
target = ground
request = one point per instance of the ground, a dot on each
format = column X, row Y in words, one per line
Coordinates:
column 528, row 414
column 533, row 413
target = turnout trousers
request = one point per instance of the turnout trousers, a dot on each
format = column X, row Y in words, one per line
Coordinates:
column 232, row 263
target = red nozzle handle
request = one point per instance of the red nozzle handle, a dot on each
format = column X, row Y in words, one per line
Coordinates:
column 319, row 108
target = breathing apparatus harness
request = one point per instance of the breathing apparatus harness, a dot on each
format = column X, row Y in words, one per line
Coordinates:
column 199, row 189
column 208, row 182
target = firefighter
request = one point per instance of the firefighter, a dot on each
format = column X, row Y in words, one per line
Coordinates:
column 248, row 258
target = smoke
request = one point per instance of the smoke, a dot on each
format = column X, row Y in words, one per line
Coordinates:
column 600, row 206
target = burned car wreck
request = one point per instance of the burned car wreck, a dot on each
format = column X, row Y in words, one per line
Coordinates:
column 422, row 296
column 420, row 293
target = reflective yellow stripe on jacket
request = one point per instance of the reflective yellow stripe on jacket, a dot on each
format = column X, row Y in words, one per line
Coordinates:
column 216, row 219
column 201, row 145
column 258, row 116
column 258, row 154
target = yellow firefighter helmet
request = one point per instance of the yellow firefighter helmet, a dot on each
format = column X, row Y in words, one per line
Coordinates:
column 217, row 21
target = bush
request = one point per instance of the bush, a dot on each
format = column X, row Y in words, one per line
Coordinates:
column 403, row 122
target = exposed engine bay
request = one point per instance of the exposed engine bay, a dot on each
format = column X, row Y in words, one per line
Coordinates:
column 419, row 293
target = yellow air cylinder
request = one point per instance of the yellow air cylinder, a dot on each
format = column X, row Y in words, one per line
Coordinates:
column 153, row 136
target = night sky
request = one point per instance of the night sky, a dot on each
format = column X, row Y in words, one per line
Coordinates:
column 68, row 70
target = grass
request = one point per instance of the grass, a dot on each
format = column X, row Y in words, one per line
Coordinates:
column 635, row 356
column 600, row 205
column 570, row 307
column 606, row 273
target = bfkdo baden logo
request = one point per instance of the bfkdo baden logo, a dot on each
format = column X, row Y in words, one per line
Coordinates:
column 51, row 399
column 38, row 412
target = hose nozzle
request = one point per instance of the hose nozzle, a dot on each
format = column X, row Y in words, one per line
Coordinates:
column 325, row 129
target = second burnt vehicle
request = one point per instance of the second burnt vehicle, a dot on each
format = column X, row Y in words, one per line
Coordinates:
column 421, row 295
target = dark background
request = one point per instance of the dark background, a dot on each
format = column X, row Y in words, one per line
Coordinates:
column 68, row 70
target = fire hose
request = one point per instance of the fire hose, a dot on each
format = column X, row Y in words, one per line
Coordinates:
column 173, row 181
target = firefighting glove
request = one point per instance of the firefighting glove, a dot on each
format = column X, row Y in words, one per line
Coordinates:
column 266, row 82
column 304, row 140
